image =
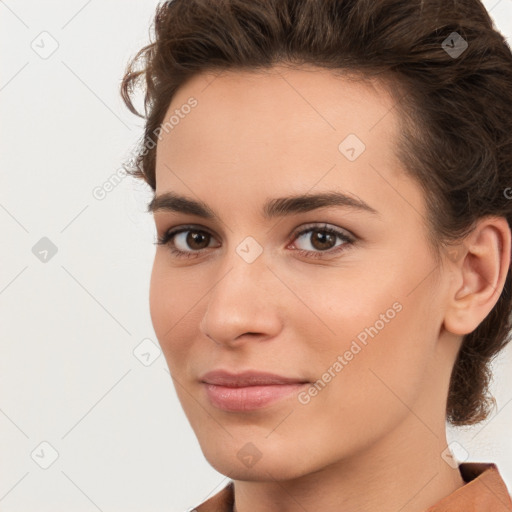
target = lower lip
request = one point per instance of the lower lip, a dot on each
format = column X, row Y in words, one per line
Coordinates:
column 250, row 397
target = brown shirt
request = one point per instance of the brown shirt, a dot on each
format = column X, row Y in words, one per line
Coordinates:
column 484, row 491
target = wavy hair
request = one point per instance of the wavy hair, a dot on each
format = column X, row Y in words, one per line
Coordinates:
column 455, row 110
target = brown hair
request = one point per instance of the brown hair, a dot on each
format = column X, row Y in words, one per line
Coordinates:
column 455, row 110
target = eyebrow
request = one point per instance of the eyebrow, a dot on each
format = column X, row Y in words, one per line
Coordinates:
column 276, row 207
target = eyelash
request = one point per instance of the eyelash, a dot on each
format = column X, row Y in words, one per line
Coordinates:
column 167, row 237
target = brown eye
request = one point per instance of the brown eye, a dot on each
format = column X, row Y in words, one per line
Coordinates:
column 318, row 239
column 322, row 241
column 189, row 242
column 186, row 241
column 196, row 239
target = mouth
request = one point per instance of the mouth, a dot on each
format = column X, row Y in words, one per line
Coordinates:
column 248, row 390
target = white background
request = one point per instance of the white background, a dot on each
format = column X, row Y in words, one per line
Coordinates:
column 69, row 326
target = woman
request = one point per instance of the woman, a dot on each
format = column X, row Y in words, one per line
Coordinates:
column 332, row 275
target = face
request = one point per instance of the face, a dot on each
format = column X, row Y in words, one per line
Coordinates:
column 329, row 293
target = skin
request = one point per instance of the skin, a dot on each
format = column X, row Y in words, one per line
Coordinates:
column 372, row 439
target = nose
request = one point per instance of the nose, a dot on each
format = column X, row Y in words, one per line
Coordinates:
column 242, row 306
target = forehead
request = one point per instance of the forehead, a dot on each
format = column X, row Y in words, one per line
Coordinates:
column 281, row 130
column 283, row 102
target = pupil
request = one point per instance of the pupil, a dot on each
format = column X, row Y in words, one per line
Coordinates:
column 195, row 238
column 324, row 240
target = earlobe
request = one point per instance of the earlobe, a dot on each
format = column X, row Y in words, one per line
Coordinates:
column 480, row 272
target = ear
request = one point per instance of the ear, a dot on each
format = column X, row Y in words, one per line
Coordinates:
column 480, row 266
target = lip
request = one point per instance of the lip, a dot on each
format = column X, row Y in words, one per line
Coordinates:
column 249, row 390
column 247, row 378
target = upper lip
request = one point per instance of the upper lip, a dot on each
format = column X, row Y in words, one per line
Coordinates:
column 248, row 378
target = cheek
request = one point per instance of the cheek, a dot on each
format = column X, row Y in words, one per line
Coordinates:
column 368, row 330
column 160, row 300
column 170, row 312
column 383, row 366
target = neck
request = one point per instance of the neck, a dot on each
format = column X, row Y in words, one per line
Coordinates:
column 404, row 471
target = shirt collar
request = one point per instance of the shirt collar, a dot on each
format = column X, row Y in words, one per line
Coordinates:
column 484, row 491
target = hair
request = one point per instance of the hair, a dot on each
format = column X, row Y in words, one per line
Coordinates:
column 455, row 111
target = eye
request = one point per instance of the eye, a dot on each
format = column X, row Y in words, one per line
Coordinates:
column 322, row 239
column 181, row 239
column 191, row 242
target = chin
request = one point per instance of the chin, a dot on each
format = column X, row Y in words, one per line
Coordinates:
column 249, row 463
column 261, row 472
